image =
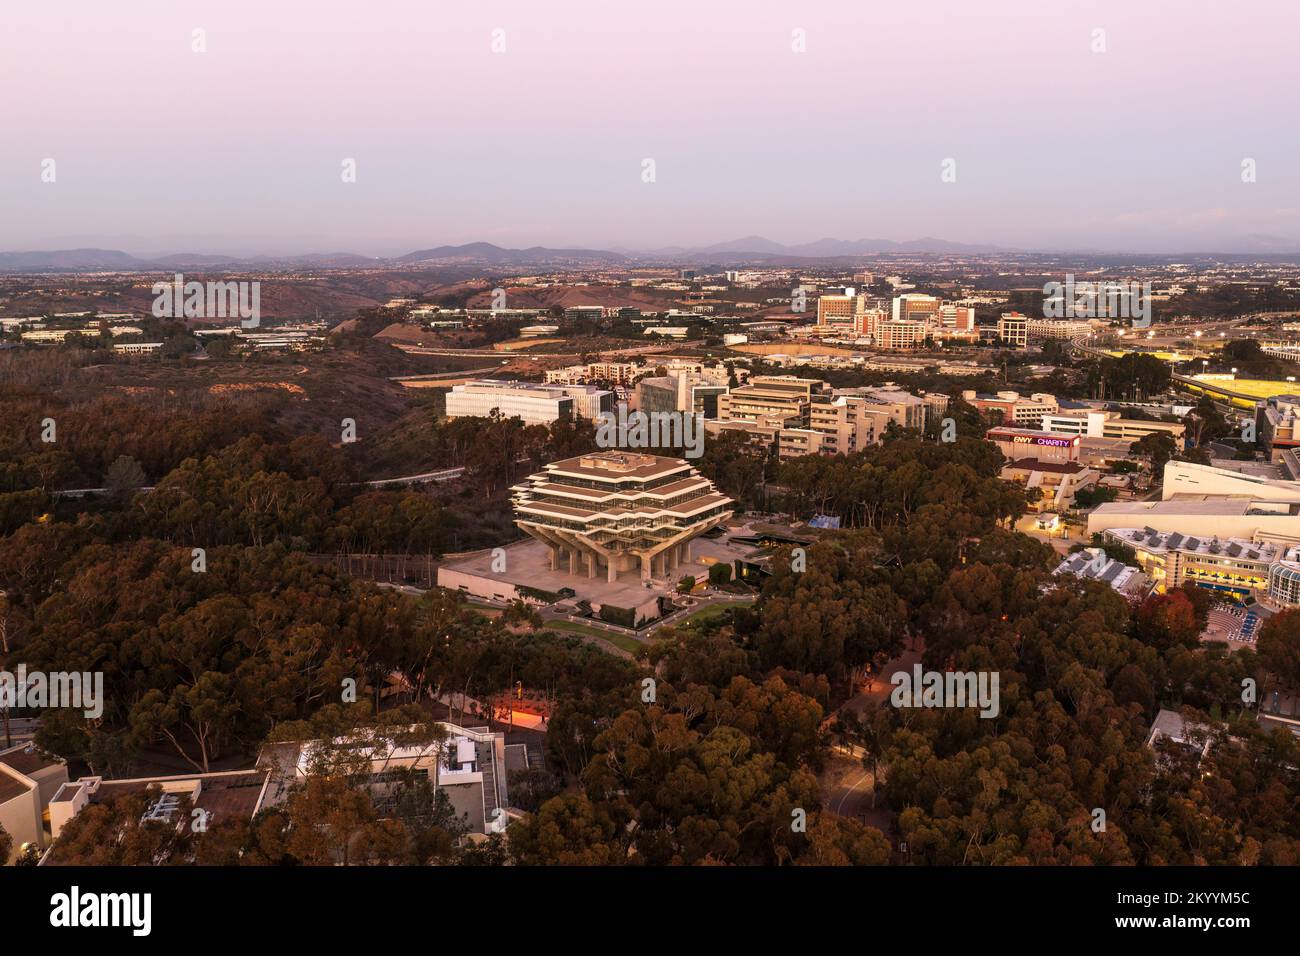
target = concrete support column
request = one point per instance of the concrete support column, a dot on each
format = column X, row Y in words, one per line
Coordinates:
column 613, row 569
column 591, row 565
column 645, row 567
column 555, row 558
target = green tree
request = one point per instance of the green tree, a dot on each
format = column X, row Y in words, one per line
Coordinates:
column 1279, row 647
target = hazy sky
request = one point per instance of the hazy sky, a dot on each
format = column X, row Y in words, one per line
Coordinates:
column 240, row 149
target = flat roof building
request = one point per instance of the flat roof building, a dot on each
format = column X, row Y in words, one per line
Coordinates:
column 1015, row 409
column 1226, row 477
column 1236, row 568
column 534, row 404
column 1021, row 443
column 1110, row 424
column 1204, row 516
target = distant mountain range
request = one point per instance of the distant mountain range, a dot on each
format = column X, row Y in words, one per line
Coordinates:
column 749, row 249
column 114, row 260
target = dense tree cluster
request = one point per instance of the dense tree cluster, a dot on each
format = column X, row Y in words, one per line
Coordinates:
column 707, row 749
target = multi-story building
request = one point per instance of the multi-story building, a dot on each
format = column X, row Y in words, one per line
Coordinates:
column 902, row 408
column 780, row 400
column 837, row 309
column 589, row 401
column 915, row 307
column 618, row 511
column 535, row 404
column 1018, row 444
column 956, row 318
column 1233, row 567
column 1013, row 329
column 1204, row 516
column 899, row 335
column 137, row 348
column 1231, row 478
column 1038, row 330
column 867, row 321
column 588, row 312
column 1110, row 424
column 1278, row 425
column 1015, row 409
column 715, row 374
column 1284, row 580
column 845, row 424
column 656, row 393
column 616, row 373
column 1053, row 484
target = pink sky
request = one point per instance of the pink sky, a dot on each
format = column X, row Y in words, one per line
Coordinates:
column 239, row 148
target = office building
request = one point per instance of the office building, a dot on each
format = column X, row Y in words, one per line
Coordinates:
column 535, row 404
column 1204, row 516
column 1021, row 443
column 772, row 400
column 1111, row 424
column 589, row 401
column 898, row 335
column 591, row 313
column 1041, row 330
column 137, row 348
column 1013, row 329
column 1229, row 478
column 915, row 307
column 1015, row 409
column 1236, row 568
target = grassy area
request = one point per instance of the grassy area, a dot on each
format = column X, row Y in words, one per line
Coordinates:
column 714, row 611
column 1186, row 356
column 619, row 640
column 1259, row 387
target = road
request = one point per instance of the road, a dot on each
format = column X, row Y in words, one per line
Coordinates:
column 445, row 474
column 505, row 354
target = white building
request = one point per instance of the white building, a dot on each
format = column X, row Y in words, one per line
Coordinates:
column 589, row 401
column 1222, row 478
column 535, row 404
column 29, row 779
column 137, row 348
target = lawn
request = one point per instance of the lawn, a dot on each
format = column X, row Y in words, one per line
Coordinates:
column 619, row 640
column 714, row 611
column 1259, row 387
column 1256, row 388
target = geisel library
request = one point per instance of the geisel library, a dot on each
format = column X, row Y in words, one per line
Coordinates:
column 613, row 528
column 613, row 512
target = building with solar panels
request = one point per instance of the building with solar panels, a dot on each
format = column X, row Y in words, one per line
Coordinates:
column 1095, row 565
column 1234, row 568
